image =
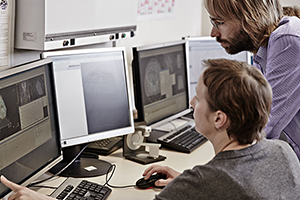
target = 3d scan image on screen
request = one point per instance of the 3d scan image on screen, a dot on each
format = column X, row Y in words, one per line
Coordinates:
column 29, row 132
column 160, row 80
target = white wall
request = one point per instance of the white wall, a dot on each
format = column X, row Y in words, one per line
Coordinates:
column 206, row 26
column 186, row 21
column 190, row 19
column 290, row 2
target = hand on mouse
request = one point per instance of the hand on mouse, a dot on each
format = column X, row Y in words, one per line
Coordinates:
column 169, row 172
column 23, row 192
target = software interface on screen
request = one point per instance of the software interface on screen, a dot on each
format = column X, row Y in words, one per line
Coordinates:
column 162, row 79
column 201, row 48
column 29, row 138
column 92, row 95
column 94, row 103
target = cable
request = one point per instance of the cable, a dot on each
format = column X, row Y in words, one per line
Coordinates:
column 113, row 168
column 46, row 179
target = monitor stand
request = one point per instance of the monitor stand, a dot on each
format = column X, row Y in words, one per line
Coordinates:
column 134, row 147
column 83, row 166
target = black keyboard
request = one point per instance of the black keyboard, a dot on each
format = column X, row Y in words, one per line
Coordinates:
column 185, row 139
column 105, row 147
column 73, row 188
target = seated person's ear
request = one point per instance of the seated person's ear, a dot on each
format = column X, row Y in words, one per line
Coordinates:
column 220, row 120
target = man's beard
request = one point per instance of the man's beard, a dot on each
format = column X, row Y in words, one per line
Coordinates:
column 241, row 41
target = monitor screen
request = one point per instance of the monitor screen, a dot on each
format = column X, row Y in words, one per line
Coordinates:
column 29, row 139
column 93, row 94
column 93, row 97
column 200, row 48
column 161, row 82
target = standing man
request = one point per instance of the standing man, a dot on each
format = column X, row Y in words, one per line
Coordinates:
column 259, row 27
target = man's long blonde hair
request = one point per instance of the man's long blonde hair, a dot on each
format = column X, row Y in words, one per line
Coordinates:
column 258, row 18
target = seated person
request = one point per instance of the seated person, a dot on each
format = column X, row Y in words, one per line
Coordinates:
column 231, row 109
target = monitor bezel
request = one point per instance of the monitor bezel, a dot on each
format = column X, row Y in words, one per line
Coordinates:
column 208, row 38
column 247, row 54
column 136, row 78
column 20, row 69
column 105, row 134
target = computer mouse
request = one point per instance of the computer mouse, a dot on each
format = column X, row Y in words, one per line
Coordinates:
column 150, row 182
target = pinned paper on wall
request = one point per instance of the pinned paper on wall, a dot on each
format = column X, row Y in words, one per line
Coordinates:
column 155, row 9
column 6, row 33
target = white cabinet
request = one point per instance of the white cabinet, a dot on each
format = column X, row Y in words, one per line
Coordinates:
column 54, row 24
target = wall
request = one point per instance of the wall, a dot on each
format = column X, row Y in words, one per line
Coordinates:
column 190, row 19
column 206, row 26
column 185, row 21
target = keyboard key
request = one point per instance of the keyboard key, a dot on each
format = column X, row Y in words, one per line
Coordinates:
column 81, row 189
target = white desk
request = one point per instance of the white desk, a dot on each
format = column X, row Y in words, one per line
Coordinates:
column 128, row 172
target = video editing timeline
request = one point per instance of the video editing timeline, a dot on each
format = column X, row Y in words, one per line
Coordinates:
column 164, row 82
column 28, row 123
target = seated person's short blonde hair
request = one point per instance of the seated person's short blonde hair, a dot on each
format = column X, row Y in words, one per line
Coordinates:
column 241, row 91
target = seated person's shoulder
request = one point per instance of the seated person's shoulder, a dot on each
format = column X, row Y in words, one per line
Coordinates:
column 281, row 147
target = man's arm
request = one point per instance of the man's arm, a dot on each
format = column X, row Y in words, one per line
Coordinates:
column 283, row 72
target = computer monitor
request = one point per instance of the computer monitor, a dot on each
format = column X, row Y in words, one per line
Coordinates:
column 94, row 103
column 29, row 138
column 200, row 48
column 161, row 82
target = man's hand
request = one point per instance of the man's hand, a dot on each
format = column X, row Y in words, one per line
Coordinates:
column 23, row 193
column 169, row 172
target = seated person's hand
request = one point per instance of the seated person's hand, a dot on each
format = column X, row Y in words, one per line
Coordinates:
column 23, row 193
column 169, row 172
